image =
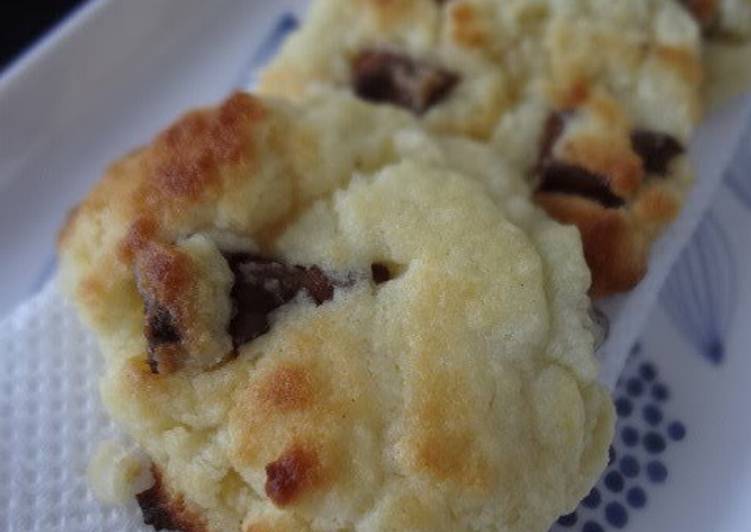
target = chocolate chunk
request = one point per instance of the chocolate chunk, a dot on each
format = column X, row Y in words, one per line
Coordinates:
column 160, row 330
column 572, row 179
column 655, row 149
column 263, row 285
column 380, row 273
column 565, row 178
column 164, row 279
column 165, row 511
column 154, row 507
column 160, row 325
column 388, row 77
column 289, row 475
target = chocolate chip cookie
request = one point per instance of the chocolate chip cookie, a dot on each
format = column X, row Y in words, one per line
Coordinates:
column 319, row 317
column 594, row 101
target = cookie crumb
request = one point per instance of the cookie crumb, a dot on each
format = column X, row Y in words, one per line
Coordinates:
column 115, row 474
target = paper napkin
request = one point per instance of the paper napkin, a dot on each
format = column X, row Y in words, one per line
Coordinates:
column 51, row 422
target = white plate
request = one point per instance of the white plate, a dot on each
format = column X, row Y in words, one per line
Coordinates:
column 117, row 72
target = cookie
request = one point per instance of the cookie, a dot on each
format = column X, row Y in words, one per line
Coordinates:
column 626, row 77
column 319, row 317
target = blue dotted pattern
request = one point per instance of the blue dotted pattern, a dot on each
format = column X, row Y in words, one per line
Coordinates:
column 636, row 461
column 629, row 466
column 592, row 500
column 636, row 497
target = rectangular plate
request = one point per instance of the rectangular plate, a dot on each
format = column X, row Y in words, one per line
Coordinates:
column 117, row 72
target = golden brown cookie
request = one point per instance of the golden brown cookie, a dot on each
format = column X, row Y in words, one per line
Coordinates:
column 318, row 317
column 625, row 76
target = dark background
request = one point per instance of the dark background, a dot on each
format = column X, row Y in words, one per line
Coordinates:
column 23, row 22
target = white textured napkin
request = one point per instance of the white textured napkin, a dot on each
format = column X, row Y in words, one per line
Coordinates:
column 51, row 418
column 51, row 421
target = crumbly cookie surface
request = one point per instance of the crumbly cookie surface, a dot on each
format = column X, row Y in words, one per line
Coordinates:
column 627, row 75
column 318, row 317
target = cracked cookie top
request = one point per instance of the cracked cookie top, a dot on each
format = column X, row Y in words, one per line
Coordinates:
column 626, row 77
column 320, row 317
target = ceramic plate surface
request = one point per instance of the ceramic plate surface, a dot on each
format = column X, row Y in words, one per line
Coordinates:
column 115, row 73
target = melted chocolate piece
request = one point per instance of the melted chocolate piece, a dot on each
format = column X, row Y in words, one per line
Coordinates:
column 289, row 475
column 655, row 149
column 388, row 77
column 166, row 512
column 160, row 326
column 561, row 177
column 380, row 273
column 263, row 285
column 154, row 513
column 572, row 179
column 160, row 330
